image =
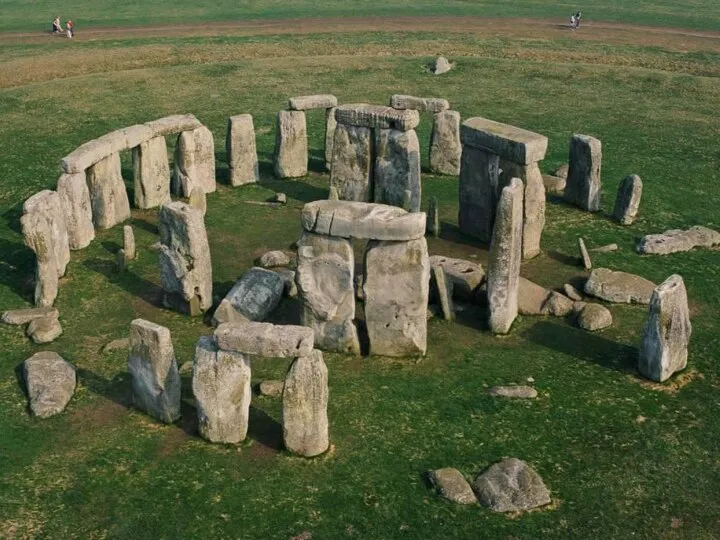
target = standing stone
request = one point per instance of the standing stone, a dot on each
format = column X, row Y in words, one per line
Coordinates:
column 154, row 371
column 352, row 163
column 194, row 162
column 129, row 243
column 291, row 149
column 441, row 65
column 444, row 291
column 198, row 200
column 586, row 260
column 504, row 259
column 627, row 202
column 433, row 218
column 445, row 146
column 330, row 125
column 151, row 173
column 221, row 385
column 75, row 200
column 50, row 383
column 533, row 203
column 664, row 347
column 108, row 196
column 304, row 406
column 397, row 168
column 256, row 294
column 584, row 179
column 477, row 191
column 397, row 278
column 325, row 281
column 185, row 267
column 241, row 150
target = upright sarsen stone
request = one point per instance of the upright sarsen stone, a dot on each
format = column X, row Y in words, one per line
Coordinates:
column 533, row 203
column 445, row 146
column 291, row 150
column 330, row 125
column 75, row 200
column 584, row 180
column 397, row 168
column 194, row 162
column 352, row 163
column 108, row 196
column 151, row 173
column 477, row 192
column 241, row 150
column 627, row 202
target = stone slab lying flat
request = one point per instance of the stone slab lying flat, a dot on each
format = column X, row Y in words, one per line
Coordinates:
column 265, row 339
column 676, row 240
column 509, row 142
column 24, row 316
column 349, row 219
column 376, row 116
column 518, row 392
column 433, row 105
column 451, row 485
column 619, row 287
column 50, row 383
column 318, row 101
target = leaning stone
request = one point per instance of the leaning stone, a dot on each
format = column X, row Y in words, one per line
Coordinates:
column 627, row 202
column 221, row 386
column 605, row 249
column 194, row 162
column 443, row 291
column 441, row 65
column 151, row 173
column 108, row 196
column 397, row 168
column 571, row 292
column 466, row 276
column 116, row 344
column 554, row 184
column 304, row 407
column 75, row 200
column 664, row 346
column 226, row 313
column 511, row 486
column 50, row 383
column 477, row 192
column 198, row 200
column 445, row 146
column 318, row 101
column 288, row 277
column 24, row 316
column 518, row 392
column 584, row 175
column 619, row 287
column 265, row 339
column 586, row 260
column 676, row 240
column 433, row 218
column 376, row 117
column 451, row 485
column 504, row 259
column 432, row 105
column 352, row 166
column 154, row 371
column 594, row 317
column 172, row 125
column 44, row 330
column 129, row 243
column 511, row 143
column 271, row 388
column 241, row 150
column 274, row 258
column 291, row 150
column 533, row 203
column 330, row 125
column 256, row 294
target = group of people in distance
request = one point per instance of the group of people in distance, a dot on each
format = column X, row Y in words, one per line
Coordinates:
column 58, row 29
column 575, row 20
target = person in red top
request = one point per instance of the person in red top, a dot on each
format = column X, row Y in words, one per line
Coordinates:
column 70, row 29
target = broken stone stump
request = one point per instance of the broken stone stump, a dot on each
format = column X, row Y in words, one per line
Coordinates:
column 445, row 146
column 151, row 173
column 441, row 65
column 194, row 162
column 443, row 291
column 397, row 168
column 291, row 149
column 304, row 406
column 330, row 125
column 108, row 197
column 352, row 163
column 433, row 218
column 511, row 486
column 198, row 200
column 154, row 371
column 75, row 201
column 256, row 294
column 451, row 485
column 50, row 382
column 664, row 347
column 584, row 178
column 241, row 150
column 129, row 243
column 627, row 202
column 44, row 330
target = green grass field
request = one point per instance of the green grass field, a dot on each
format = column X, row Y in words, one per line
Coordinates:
column 622, row 457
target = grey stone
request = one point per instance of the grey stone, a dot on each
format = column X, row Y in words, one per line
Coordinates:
column 577, row 307
column 451, row 485
column 376, row 117
column 186, row 368
column 256, row 294
column 511, row 486
column 24, row 316
column 531, row 297
column 557, row 305
column 397, row 168
column 154, row 371
column 477, row 192
column 288, row 276
column 116, row 344
column 605, row 249
column 291, row 148
column 533, row 203
column 108, row 198
column 677, row 240
column 432, row 105
column 318, row 101
column 136, row 135
column 330, row 125
column 129, row 243
column 627, row 201
column 50, row 383
column 274, row 258
column 226, row 313
column 221, row 385
column 151, row 173
column 280, row 198
column 510, row 143
column 271, row 388
column 44, row 330
column 351, row 168
column 619, row 287
column 241, row 150
column 172, row 125
column 594, row 317
column 517, row 392
column 265, row 339
column 586, row 260
column 441, row 65
column 75, row 201
column 87, row 154
column 554, row 184
column 444, row 291
column 445, row 146
column 198, row 200
column 466, row 276
column 571, row 292
column 304, row 407
column 433, row 218
column 584, row 174
column 194, row 162
column 667, row 331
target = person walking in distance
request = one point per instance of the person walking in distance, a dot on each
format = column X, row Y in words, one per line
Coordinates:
column 70, row 29
column 573, row 22
column 56, row 26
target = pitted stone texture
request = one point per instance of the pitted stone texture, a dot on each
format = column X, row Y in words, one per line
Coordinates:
column 198, row 200
column 151, row 173
column 594, row 317
column 108, row 197
column 274, row 258
column 154, row 371
column 330, row 125
column 397, row 168
column 352, row 166
column 225, row 312
column 443, row 291
column 533, row 203
column 466, row 276
column 511, row 486
column 325, row 281
column 304, row 407
column 451, row 485
column 185, row 266
column 619, row 287
column 477, row 192
column 221, row 385
column 75, row 200
column 586, row 260
column 265, row 339
column 376, row 117
column 433, row 105
column 676, row 240
column 129, row 243
column 441, row 65
column 306, row 103
column 241, row 150
column 397, row 278
column 44, row 330
column 291, row 147
column 256, row 294
column 172, row 125
column 194, row 162
column 627, row 201
column 445, row 146
column 509, row 142
column 664, row 346
column 50, row 383
column 24, row 316
column 584, row 174
column 513, row 392
column 359, row 220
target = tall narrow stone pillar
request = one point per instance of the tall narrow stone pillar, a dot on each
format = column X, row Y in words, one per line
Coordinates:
column 241, row 151
column 330, row 125
column 291, row 150
column 584, row 180
column 533, row 203
column 75, row 200
column 397, row 168
column 352, row 164
column 151, row 173
column 108, row 197
column 194, row 162
column 445, row 146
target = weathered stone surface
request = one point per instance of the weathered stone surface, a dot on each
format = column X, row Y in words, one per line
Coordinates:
column 619, row 287
column 198, row 200
column 116, row 344
column 351, row 168
column 172, row 125
column 557, row 305
column 44, row 330
column 75, row 201
column 288, row 276
column 325, row 282
column 330, row 125
column 397, row 168
column 432, row 105
column 50, row 383
column 397, row 276
column 577, row 307
column 241, row 150
column 504, row 259
column 226, row 313
column 194, row 162
column 509, row 142
column 359, row 291
column 129, row 243
column 221, row 385
column 554, row 184
column 562, row 171
column 594, row 317
column 517, row 392
column 376, row 117
column 571, row 292
column 304, row 408
column 511, row 486
column 89, row 153
column 154, row 371
column 291, row 147
column 451, row 485
column 274, row 258
column 24, row 316
column 466, row 276
column 441, row 65
column 271, row 388
column 584, row 174
column 533, row 203
column 444, row 291
column 445, row 146
column 256, row 294
column 627, row 201
column 433, row 217
column 347, row 219
column 676, row 240
column 477, row 192
column 531, row 297
column 605, row 249
column 265, row 339
column 136, row 135
column 664, row 346
column 584, row 255
column 108, row 197
column 185, row 267
column 306, row 103
column 151, row 173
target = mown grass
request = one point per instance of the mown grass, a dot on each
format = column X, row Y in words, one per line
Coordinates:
column 622, row 457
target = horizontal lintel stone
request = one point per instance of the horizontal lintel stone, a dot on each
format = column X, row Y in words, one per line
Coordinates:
column 376, row 116
column 509, row 142
column 318, row 101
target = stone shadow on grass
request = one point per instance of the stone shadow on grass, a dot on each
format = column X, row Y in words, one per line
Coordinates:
column 127, row 280
column 452, row 233
column 118, row 389
column 17, row 269
column 264, row 430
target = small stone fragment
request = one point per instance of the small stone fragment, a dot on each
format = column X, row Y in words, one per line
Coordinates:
column 519, row 392
column 619, row 287
column 274, row 258
column 24, row 316
column 554, row 184
column 451, row 485
column 557, row 305
column 466, row 276
column 511, row 486
column 129, row 243
column 562, row 171
column 271, row 388
column 50, row 383
column 333, row 194
column 280, row 198
column 606, row 248
column 586, row 260
column 594, row 317
column 627, row 202
column 44, row 330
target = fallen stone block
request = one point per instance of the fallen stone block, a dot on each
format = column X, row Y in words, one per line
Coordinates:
column 677, row 240
column 44, row 330
column 24, row 316
column 50, row 383
column 594, row 317
column 256, row 294
column 451, row 485
column 619, row 287
column 511, row 486
column 514, row 392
